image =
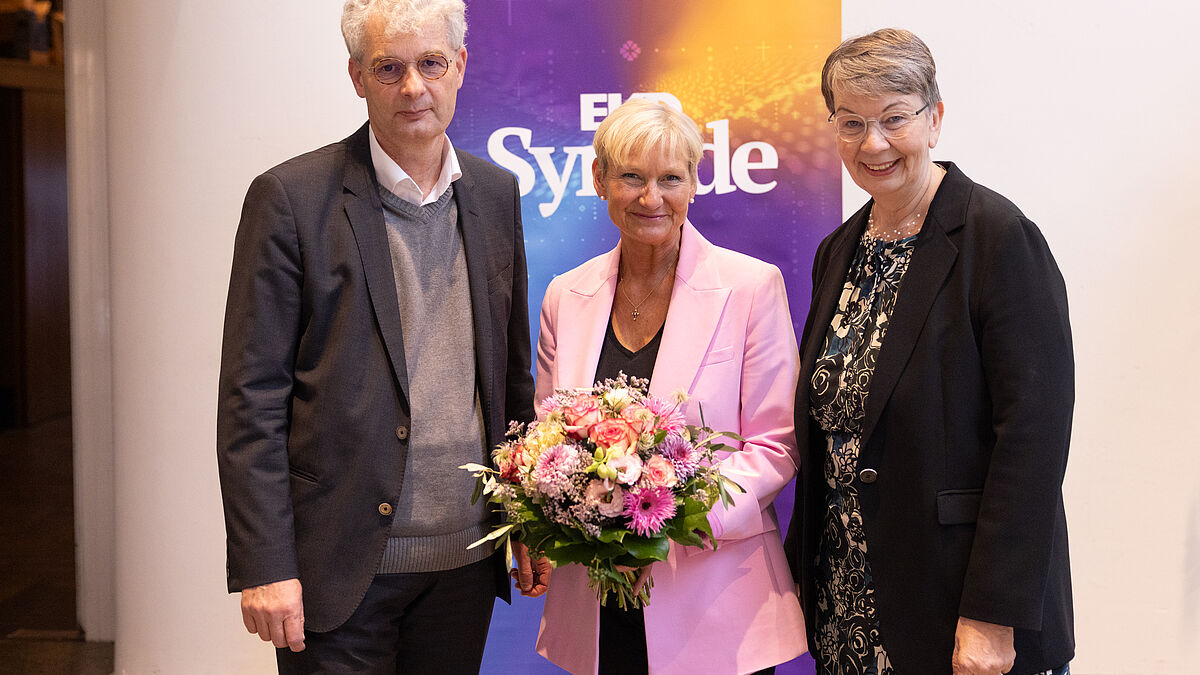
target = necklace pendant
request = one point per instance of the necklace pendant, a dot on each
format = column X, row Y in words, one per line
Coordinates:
column 635, row 314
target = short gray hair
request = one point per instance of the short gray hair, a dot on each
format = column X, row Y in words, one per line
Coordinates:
column 403, row 17
column 640, row 124
column 890, row 60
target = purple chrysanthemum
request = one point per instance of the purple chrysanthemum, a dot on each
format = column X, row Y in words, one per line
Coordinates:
column 648, row 508
column 554, row 403
column 555, row 469
column 680, row 453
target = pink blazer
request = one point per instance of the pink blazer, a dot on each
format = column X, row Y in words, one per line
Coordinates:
column 729, row 343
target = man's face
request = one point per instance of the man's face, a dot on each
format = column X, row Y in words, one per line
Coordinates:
column 414, row 112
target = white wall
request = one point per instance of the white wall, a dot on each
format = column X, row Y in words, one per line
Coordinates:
column 1081, row 112
column 200, row 98
column 91, row 326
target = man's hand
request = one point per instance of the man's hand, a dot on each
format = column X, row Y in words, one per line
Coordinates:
column 982, row 648
column 532, row 575
column 275, row 612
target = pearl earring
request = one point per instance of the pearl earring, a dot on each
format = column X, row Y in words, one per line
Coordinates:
column 692, row 200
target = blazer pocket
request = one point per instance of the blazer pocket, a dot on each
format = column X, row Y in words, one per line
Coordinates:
column 958, row 507
column 719, row 355
column 501, row 280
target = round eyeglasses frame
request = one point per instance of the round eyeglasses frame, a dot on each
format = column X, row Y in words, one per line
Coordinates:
column 431, row 66
column 898, row 129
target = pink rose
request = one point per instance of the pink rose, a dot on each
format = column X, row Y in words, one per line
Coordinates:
column 614, row 434
column 628, row 468
column 658, row 472
column 582, row 413
column 639, row 417
column 609, row 501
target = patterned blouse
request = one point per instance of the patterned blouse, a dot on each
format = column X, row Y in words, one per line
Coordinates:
column 848, row 640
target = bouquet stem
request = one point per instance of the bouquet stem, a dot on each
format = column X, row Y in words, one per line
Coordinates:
column 630, row 588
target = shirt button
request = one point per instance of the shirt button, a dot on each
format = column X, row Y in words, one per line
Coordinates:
column 868, row 475
column 402, row 432
column 385, row 509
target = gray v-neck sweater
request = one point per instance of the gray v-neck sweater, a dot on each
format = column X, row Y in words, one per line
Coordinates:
column 434, row 521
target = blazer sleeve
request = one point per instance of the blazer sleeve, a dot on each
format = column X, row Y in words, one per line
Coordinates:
column 519, row 395
column 262, row 319
column 547, row 347
column 768, row 459
column 1024, row 340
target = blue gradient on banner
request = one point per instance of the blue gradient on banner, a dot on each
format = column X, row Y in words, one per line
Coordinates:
column 745, row 72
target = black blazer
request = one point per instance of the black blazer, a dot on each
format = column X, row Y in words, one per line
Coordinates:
column 967, row 426
column 313, row 409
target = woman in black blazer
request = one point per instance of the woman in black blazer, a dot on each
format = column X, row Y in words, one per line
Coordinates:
column 933, row 411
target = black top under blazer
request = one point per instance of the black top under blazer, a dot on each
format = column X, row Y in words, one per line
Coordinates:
column 967, row 425
column 313, row 407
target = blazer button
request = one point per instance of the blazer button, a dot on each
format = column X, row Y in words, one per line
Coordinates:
column 868, row 475
column 402, row 432
column 385, row 509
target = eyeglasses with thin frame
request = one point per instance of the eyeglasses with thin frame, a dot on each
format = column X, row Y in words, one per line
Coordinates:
column 852, row 128
column 431, row 66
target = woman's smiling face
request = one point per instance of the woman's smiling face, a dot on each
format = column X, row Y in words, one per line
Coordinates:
column 647, row 196
column 888, row 167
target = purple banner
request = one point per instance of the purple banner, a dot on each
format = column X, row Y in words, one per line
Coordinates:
column 542, row 74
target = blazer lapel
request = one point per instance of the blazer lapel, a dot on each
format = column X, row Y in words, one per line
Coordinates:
column 365, row 213
column 828, row 290
column 697, row 304
column 582, row 323
column 475, row 248
column 931, row 263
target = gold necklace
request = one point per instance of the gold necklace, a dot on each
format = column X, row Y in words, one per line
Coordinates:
column 637, row 305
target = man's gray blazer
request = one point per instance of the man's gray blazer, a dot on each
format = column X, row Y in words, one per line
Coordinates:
column 313, row 414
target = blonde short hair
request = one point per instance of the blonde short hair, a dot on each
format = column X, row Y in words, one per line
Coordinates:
column 403, row 17
column 638, row 125
column 890, row 60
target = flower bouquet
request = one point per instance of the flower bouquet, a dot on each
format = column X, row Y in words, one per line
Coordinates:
column 607, row 478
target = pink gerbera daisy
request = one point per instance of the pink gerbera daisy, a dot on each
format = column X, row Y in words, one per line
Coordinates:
column 648, row 508
column 670, row 417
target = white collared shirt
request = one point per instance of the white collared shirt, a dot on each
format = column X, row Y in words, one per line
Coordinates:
column 397, row 181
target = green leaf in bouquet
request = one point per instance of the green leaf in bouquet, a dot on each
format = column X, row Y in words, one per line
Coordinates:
column 582, row 553
column 478, row 491
column 726, row 434
column 681, row 534
column 502, row 531
column 610, row 536
column 726, row 500
column 692, row 507
column 630, row 560
column 647, row 548
column 691, row 516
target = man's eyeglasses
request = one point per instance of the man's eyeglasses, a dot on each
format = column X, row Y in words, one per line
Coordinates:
column 431, row 66
column 852, row 128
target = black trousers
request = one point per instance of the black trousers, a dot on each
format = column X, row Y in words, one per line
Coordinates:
column 623, row 641
column 427, row 622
